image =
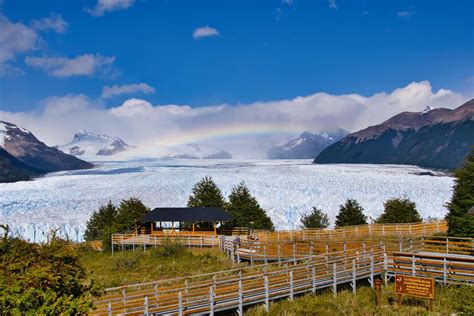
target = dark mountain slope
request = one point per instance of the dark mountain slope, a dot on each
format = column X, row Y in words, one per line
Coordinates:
column 12, row 170
column 439, row 138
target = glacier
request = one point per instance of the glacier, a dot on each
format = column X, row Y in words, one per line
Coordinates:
column 286, row 189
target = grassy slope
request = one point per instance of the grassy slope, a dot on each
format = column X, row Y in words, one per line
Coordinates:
column 447, row 300
column 128, row 267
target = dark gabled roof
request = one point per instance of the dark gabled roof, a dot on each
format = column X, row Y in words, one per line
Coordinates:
column 187, row 214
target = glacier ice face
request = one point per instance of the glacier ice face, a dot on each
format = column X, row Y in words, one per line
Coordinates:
column 286, row 189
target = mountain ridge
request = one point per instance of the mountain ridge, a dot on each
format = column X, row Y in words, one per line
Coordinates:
column 438, row 138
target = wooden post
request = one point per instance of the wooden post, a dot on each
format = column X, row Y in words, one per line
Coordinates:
column 378, row 292
column 215, row 229
column 371, row 271
column 109, row 309
column 279, row 254
column 267, row 294
column 334, row 279
column 156, row 293
column 265, row 253
column 151, row 228
column 313, row 279
column 291, row 286
column 354, row 277
column 180, row 304
column 241, row 297
column 211, row 301
column 445, row 271
column 294, row 252
column 413, row 266
column 193, row 229
column 146, row 305
column 385, row 268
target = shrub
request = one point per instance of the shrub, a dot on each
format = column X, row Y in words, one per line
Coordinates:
column 315, row 219
column 351, row 213
column 43, row 279
column 399, row 211
column 170, row 248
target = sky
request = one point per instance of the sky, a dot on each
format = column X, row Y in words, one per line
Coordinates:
column 192, row 71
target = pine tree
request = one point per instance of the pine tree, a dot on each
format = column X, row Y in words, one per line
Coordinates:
column 351, row 213
column 246, row 211
column 460, row 223
column 99, row 220
column 315, row 219
column 400, row 210
column 129, row 214
column 206, row 194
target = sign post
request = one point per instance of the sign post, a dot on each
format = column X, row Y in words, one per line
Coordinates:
column 415, row 286
column 378, row 292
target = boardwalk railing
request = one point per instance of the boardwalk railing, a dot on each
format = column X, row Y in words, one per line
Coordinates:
column 444, row 268
column 234, row 289
column 410, row 229
column 136, row 240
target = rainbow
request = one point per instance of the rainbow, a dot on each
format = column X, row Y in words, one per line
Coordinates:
column 213, row 132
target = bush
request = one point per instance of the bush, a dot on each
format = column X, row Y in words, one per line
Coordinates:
column 43, row 279
column 399, row 211
column 351, row 213
column 170, row 248
column 316, row 219
column 126, row 261
column 460, row 223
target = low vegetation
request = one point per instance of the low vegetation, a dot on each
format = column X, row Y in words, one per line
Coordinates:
column 449, row 300
column 164, row 262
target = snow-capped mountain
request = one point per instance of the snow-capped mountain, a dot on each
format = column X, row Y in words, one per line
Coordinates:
column 23, row 156
column 91, row 144
column 306, row 146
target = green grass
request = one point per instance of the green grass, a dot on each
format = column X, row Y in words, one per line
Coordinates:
column 128, row 267
column 448, row 300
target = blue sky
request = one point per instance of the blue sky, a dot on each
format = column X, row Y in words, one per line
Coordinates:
column 264, row 50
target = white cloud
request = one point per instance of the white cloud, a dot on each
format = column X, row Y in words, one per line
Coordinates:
column 406, row 14
column 82, row 65
column 142, row 124
column 108, row 92
column 53, row 23
column 15, row 38
column 104, row 6
column 205, row 31
column 288, row 2
column 332, row 4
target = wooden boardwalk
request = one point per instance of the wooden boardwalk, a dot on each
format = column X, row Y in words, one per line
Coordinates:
column 234, row 289
column 293, row 264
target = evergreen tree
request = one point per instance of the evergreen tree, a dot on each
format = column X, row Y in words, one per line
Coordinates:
column 400, row 210
column 315, row 219
column 460, row 223
column 246, row 211
column 99, row 220
column 351, row 213
column 129, row 214
column 206, row 194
